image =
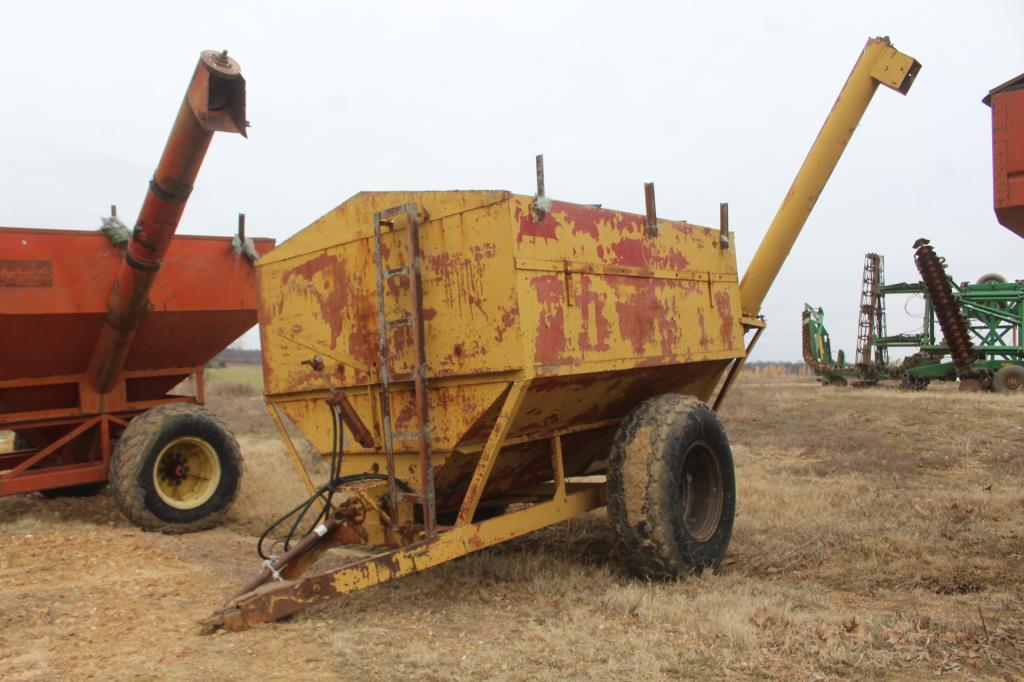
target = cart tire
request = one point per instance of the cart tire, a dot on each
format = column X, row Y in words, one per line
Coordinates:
column 992, row 278
column 176, row 469
column 1009, row 379
column 671, row 488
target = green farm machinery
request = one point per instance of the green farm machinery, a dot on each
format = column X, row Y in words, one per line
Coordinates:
column 970, row 332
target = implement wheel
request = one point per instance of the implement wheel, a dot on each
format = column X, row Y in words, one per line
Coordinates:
column 671, row 488
column 176, row 469
column 1009, row 379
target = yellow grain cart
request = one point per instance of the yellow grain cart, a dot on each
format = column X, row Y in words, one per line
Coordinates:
column 479, row 364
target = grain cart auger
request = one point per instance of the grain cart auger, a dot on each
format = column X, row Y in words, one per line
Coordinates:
column 96, row 329
column 479, row 365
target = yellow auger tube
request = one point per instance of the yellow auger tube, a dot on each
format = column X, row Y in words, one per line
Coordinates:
column 879, row 63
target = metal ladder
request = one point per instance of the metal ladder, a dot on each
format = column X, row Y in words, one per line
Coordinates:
column 869, row 309
column 881, row 352
column 427, row 497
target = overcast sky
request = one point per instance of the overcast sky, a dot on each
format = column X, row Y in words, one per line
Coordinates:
column 714, row 101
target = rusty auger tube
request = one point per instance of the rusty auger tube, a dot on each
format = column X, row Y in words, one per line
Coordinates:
column 215, row 100
column 933, row 275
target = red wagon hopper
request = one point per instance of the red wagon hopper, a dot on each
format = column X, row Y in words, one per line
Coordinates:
column 96, row 331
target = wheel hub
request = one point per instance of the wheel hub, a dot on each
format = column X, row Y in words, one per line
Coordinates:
column 701, row 492
column 186, row 472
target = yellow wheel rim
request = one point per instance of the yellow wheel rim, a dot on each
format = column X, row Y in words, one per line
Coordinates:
column 186, row 472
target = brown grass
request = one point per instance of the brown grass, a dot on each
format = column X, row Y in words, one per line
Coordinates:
column 878, row 536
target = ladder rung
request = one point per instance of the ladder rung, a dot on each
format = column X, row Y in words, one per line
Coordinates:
column 397, row 272
column 400, row 322
column 405, row 435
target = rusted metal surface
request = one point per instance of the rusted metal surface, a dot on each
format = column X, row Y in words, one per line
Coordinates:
column 652, row 210
column 273, row 600
column 495, row 441
column 336, row 398
column 936, row 283
column 215, row 100
column 723, row 225
column 26, row 273
column 540, row 176
column 583, row 296
column 420, row 375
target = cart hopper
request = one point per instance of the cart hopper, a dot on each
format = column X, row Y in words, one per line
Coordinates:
column 577, row 316
column 480, row 364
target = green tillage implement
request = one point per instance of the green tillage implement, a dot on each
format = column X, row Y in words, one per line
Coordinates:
column 993, row 313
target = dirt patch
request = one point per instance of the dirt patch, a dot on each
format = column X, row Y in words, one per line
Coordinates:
column 878, row 536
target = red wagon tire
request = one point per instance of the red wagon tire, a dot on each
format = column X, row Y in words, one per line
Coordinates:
column 671, row 488
column 176, row 469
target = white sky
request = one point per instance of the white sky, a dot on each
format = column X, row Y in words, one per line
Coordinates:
column 712, row 101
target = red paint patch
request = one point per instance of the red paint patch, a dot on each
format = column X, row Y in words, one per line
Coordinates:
column 550, row 289
column 630, row 252
column 550, row 292
column 723, row 305
column 509, row 318
column 528, row 227
column 600, row 329
column 638, row 315
column 587, row 226
column 704, row 340
column 676, row 261
column 336, row 300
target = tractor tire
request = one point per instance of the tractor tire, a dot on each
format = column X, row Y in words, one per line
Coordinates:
column 176, row 469
column 1009, row 380
column 910, row 382
column 992, row 278
column 671, row 488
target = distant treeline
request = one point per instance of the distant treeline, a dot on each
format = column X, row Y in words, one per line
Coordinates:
column 777, row 370
column 236, row 356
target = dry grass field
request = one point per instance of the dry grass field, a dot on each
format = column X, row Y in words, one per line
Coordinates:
column 879, row 535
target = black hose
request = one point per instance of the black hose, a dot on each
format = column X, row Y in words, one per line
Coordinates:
column 334, row 482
